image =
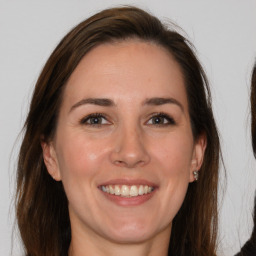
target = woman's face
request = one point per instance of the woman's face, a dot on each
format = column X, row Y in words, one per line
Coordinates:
column 124, row 148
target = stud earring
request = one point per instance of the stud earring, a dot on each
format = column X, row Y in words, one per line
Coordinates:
column 195, row 173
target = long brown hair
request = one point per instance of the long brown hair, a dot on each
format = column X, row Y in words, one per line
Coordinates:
column 42, row 206
column 249, row 247
column 253, row 131
column 253, row 109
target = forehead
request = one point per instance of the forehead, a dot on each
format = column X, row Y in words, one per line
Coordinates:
column 131, row 68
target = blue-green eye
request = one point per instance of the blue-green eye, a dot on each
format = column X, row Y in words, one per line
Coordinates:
column 161, row 119
column 94, row 119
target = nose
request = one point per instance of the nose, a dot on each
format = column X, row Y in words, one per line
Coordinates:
column 129, row 149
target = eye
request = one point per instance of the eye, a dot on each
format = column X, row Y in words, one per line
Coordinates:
column 95, row 119
column 161, row 119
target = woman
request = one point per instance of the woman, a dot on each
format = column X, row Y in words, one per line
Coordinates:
column 249, row 249
column 119, row 129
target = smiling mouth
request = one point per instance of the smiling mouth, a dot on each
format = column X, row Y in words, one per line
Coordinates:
column 127, row 190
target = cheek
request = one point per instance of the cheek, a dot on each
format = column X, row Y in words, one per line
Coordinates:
column 175, row 164
column 174, row 154
column 174, row 160
column 79, row 157
column 80, row 161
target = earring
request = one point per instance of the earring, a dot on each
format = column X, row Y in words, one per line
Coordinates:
column 195, row 173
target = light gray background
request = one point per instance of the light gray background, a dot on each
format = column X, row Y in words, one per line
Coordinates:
column 224, row 33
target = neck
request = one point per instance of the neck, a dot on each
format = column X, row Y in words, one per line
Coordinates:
column 94, row 244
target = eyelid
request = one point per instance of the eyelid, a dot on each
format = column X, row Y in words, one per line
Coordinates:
column 170, row 119
column 84, row 120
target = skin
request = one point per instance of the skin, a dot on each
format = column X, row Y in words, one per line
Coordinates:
column 127, row 144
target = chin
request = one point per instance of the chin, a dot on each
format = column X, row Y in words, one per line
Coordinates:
column 131, row 233
column 129, row 237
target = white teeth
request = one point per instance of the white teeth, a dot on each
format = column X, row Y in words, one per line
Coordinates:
column 111, row 190
column 117, row 190
column 141, row 190
column 133, row 191
column 126, row 190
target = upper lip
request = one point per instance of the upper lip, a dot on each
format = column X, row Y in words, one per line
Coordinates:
column 128, row 182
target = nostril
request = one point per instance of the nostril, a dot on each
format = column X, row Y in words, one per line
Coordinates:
column 128, row 164
column 129, row 152
column 119, row 163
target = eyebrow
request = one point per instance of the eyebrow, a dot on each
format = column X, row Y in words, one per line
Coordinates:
column 109, row 103
column 94, row 101
column 162, row 101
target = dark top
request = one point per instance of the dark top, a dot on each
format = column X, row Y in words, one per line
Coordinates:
column 249, row 249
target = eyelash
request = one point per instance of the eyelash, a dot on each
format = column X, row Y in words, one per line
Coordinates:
column 170, row 120
column 84, row 120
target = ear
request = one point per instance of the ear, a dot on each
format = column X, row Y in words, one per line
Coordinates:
column 198, row 155
column 50, row 160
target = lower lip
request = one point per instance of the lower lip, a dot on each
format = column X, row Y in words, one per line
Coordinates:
column 129, row 201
